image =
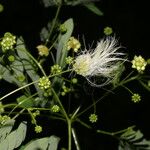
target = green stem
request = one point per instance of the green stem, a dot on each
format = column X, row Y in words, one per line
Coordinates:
column 38, row 64
column 22, row 102
column 14, row 91
column 69, row 134
column 128, row 80
column 75, row 139
column 127, row 89
column 69, row 121
column 18, row 114
column 115, row 133
column 59, row 102
column 105, row 132
column 107, row 93
column 32, row 117
column 54, row 22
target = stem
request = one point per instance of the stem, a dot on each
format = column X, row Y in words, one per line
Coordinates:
column 38, row 64
column 105, row 132
column 14, row 91
column 127, row 89
column 28, row 98
column 75, row 139
column 54, row 22
column 18, row 114
column 59, row 102
column 107, row 93
column 69, row 134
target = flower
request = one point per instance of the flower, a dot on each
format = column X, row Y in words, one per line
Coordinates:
column 93, row 118
column 55, row 108
column 43, row 50
column 74, row 80
column 4, row 119
column 38, row 129
column 136, row 98
column 8, row 41
column 69, row 60
column 100, row 62
column 62, row 28
column 44, row 83
column 108, row 30
column 74, row 44
column 56, row 69
column 139, row 63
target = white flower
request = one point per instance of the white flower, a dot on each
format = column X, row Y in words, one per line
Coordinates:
column 100, row 62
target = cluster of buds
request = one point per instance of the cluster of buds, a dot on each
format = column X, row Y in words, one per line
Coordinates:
column 4, row 119
column 93, row 118
column 74, row 44
column 38, row 129
column 136, row 98
column 56, row 69
column 44, row 83
column 108, row 31
column 8, row 41
column 55, row 108
column 69, row 60
column 43, row 50
column 139, row 63
column 65, row 90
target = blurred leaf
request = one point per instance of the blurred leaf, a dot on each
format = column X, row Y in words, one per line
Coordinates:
column 6, row 129
column 25, row 102
column 144, row 85
column 118, row 73
column 61, row 45
column 93, row 8
column 47, row 143
column 12, row 73
column 44, row 34
column 28, row 64
column 14, row 139
column 133, row 140
column 48, row 3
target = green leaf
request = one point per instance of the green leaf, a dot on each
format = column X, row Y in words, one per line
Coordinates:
column 144, row 85
column 47, row 143
column 94, row 9
column 53, row 142
column 6, row 129
column 28, row 64
column 63, row 39
column 133, row 140
column 14, row 139
column 13, row 73
column 25, row 102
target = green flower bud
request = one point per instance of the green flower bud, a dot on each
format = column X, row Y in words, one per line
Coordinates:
column 108, row 30
column 55, row 108
column 38, row 129
column 136, row 98
column 93, row 118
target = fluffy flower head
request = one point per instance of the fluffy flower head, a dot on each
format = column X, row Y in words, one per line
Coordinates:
column 99, row 62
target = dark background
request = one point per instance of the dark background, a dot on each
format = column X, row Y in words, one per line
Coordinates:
column 129, row 20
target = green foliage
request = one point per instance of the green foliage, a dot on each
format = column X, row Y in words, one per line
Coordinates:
column 46, row 83
column 25, row 102
column 133, row 140
column 62, row 41
column 12, row 140
column 47, row 143
column 92, row 7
